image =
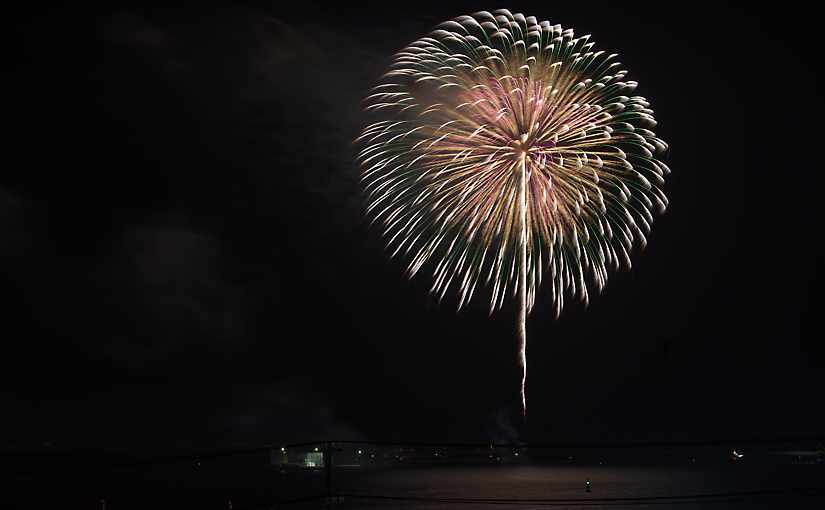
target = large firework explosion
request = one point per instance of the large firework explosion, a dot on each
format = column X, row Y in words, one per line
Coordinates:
column 507, row 149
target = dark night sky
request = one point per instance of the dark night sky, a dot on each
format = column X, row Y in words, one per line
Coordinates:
column 185, row 262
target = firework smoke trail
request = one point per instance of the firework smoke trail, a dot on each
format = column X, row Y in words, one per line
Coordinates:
column 505, row 150
column 522, row 282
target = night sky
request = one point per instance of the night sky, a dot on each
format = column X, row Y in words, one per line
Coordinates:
column 185, row 263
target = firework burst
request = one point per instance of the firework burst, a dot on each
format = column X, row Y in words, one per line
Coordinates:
column 508, row 150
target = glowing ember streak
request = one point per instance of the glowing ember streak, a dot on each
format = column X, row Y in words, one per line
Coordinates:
column 522, row 282
column 507, row 149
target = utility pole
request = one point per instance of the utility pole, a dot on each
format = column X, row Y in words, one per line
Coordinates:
column 328, row 469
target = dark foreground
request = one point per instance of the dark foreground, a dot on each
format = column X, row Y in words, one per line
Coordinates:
column 564, row 486
column 735, row 485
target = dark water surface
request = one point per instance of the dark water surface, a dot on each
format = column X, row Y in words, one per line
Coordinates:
column 733, row 486
column 214, row 485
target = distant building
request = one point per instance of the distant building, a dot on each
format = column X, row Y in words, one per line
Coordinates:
column 306, row 459
column 313, row 459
